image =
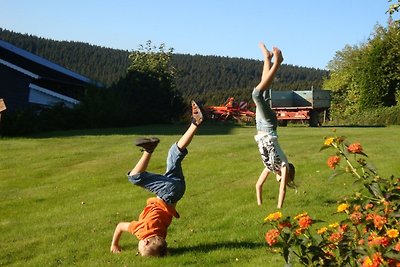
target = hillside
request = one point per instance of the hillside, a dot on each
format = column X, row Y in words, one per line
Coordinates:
column 211, row 78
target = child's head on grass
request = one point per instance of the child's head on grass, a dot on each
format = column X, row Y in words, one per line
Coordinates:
column 154, row 246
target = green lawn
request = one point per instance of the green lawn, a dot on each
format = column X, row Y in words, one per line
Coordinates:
column 62, row 194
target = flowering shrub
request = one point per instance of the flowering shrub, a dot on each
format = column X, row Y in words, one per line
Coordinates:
column 368, row 235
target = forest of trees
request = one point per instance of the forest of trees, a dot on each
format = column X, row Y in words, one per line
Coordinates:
column 210, row 78
column 364, row 81
column 366, row 77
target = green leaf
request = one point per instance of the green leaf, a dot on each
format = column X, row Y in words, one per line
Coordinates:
column 362, row 153
column 371, row 168
column 393, row 255
column 324, row 147
column 375, row 189
column 286, row 254
column 336, row 173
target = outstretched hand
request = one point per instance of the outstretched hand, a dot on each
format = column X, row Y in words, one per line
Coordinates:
column 115, row 249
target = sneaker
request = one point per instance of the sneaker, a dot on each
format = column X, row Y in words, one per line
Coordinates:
column 197, row 115
column 147, row 144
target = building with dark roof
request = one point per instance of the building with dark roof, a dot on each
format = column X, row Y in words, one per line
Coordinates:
column 29, row 80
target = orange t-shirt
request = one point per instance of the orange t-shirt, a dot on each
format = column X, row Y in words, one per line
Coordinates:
column 154, row 219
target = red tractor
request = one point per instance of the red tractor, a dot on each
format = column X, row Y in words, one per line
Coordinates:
column 231, row 110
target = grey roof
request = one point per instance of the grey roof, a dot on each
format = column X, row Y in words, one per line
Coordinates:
column 38, row 65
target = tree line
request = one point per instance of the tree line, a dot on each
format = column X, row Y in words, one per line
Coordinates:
column 210, row 78
column 365, row 77
column 154, row 85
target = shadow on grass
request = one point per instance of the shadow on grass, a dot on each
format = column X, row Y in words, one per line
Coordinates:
column 146, row 130
column 353, row 126
column 215, row 246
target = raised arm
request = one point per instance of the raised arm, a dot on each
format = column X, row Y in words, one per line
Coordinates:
column 121, row 227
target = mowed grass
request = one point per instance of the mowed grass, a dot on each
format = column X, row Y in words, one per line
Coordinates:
column 62, row 194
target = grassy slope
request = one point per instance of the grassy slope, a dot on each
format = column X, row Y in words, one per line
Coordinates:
column 61, row 195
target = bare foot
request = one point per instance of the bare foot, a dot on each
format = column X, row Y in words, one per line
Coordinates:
column 267, row 54
column 278, row 55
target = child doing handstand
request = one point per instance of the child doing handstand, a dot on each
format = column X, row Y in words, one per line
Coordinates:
column 151, row 227
column 266, row 123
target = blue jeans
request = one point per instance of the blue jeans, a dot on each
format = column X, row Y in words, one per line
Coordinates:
column 266, row 120
column 171, row 186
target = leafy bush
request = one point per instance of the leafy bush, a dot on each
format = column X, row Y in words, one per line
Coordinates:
column 372, row 117
column 368, row 235
column 137, row 99
column 20, row 122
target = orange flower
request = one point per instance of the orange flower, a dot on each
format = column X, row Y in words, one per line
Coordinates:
column 343, row 228
column 367, row 262
column 336, row 237
column 333, row 161
column 369, row 217
column 273, row 216
column 355, row 148
column 298, row 216
column 272, row 237
column 397, row 246
column 384, row 241
column 377, row 259
column 379, row 241
column 392, row 233
column 374, row 262
column 356, row 217
column 299, row 231
column 379, row 221
column 305, row 222
column 322, row 230
column 369, row 206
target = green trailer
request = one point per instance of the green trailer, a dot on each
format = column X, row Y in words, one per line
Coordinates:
column 310, row 106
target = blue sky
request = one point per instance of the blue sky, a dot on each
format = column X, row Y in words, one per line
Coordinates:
column 309, row 32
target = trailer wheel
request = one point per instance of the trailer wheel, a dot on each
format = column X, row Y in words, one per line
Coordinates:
column 282, row 123
column 314, row 119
